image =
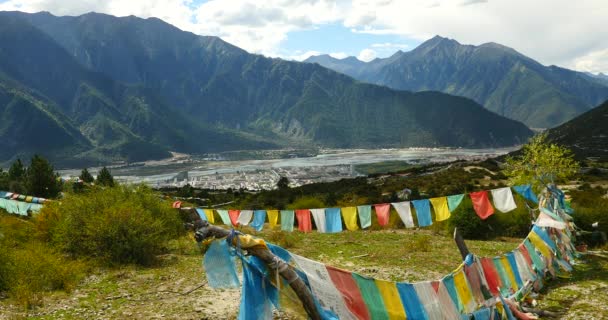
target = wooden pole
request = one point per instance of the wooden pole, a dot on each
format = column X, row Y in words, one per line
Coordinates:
column 462, row 247
column 206, row 231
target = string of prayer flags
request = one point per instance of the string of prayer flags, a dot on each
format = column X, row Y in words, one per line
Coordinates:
column 454, row 201
column 287, row 220
column 360, row 216
column 382, row 212
column 349, row 214
column 303, row 217
column 481, row 204
column 473, row 288
column 273, row 217
column 259, row 217
column 333, row 221
column 365, row 216
column 319, row 217
column 423, row 212
column 405, row 213
column 245, row 217
column 503, row 199
column 440, row 206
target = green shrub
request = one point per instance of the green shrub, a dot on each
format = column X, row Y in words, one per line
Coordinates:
column 28, row 266
column 38, row 268
column 468, row 223
column 123, row 224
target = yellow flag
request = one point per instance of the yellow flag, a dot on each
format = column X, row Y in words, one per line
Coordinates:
column 463, row 290
column 392, row 301
column 273, row 217
column 209, row 214
column 440, row 205
column 349, row 214
column 507, row 266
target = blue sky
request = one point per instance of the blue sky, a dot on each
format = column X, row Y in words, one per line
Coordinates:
column 566, row 33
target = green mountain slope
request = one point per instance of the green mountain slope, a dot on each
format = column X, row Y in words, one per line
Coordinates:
column 495, row 76
column 586, row 135
column 137, row 88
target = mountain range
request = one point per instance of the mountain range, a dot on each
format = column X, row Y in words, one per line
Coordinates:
column 586, row 135
column 95, row 89
column 497, row 77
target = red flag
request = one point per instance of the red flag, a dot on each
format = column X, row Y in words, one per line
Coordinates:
column 344, row 282
column 492, row 277
column 382, row 212
column 304, row 223
column 482, row 204
column 234, row 216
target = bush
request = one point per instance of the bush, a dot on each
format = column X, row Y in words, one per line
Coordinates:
column 124, row 224
column 468, row 223
column 29, row 267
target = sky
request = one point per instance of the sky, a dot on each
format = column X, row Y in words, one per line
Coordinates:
column 567, row 33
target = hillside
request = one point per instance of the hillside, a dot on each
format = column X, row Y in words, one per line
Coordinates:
column 133, row 89
column 497, row 77
column 586, row 135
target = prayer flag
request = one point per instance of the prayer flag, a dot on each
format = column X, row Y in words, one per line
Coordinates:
column 411, row 302
column 371, row 296
column 423, row 212
column 440, row 206
column 382, row 212
column 287, row 220
column 390, row 296
column 259, row 217
column 345, row 283
column 526, row 192
column 244, row 217
column 333, row 221
column 319, row 216
column 405, row 213
column 224, row 216
column 209, row 215
column 454, row 201
column 234, row 216
column 503, row 199
column 482, row 204
column 303, row 217
column 365, row 216
column 273, row 217
column 349, row 214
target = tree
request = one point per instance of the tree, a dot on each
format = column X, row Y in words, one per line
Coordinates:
column 41, row 179
column 104, row 177
column 541, row 162
column 86, row 176
column 17, row 171
column 283, row 183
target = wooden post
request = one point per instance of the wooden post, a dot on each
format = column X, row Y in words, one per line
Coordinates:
column 205, row 231
column 462, row 247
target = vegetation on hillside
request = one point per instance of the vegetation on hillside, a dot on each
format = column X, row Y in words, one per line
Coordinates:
column 38, row 179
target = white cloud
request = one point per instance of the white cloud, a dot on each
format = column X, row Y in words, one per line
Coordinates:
column 390, row 45
column 299, row 56
column 338, row 55
column 561, row 32
column 367, row 55
column 594, row 62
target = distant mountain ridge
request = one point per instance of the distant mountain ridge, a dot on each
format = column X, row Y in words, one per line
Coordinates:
column 131, row 89
column 498, row 77
column 586, row 135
